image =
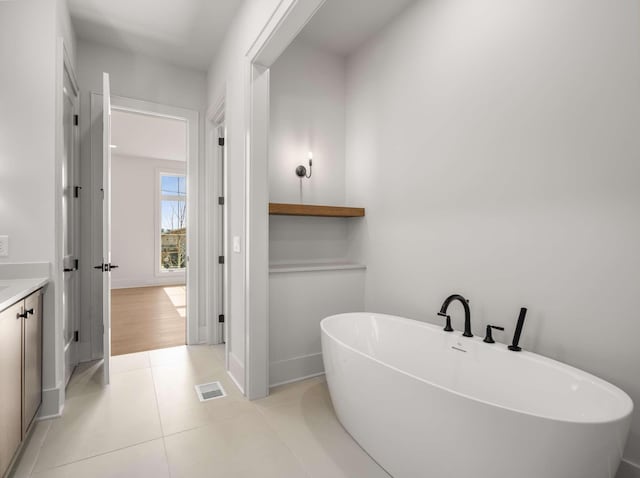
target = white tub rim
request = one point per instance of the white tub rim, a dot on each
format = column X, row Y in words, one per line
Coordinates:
column 627, row 403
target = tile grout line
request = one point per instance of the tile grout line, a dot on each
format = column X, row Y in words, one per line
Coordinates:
column 151, row 368
column 86, row 458
column 109, row 451
column 155, row 394
column 97, row 455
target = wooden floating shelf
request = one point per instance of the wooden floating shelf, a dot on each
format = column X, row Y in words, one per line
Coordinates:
column 284, row 268
column 277, row 209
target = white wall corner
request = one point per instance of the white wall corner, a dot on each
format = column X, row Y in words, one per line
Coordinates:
column 203, row 334
column 295, row 369
column 52, row 403
column 236, row 371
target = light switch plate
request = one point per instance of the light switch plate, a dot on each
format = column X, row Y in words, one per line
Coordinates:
column 4, row 246
column 236, row 244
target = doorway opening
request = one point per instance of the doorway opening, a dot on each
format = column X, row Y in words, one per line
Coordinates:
column 142, row 131
column 149, row 227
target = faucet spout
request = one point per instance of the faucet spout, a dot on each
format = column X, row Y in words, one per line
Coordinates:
column 467, row 312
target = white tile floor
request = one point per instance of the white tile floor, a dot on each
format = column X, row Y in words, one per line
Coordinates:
column 150, row 423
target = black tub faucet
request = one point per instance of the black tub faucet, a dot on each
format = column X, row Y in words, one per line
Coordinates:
column 467, row 313
column 515, row 345
column 489, row 335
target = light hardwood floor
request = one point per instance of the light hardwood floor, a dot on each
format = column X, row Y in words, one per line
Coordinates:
column 147, row 318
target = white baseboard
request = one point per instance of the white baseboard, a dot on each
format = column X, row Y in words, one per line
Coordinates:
column 136, row 283
column 52, row 403
column 294, row 369
column 296, row 380
column 628, row 469
column 203, row 336
column 236, row 371
column 84, row 350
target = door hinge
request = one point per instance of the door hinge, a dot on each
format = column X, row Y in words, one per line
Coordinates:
column 76, row 336
column 220, row 141
column 221, row 319
column 76, row 120
column 76, row 191
column 76, row 263
column 221, row 201
column 220, row 259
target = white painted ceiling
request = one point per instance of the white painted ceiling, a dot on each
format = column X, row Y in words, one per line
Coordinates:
column 184, row 32
column 342, row 26
column 146, row 136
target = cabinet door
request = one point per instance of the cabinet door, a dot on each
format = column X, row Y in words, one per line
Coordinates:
column 32, row 359
column 10, row 383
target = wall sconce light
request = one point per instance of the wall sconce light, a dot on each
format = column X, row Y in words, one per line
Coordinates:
column 301, row 171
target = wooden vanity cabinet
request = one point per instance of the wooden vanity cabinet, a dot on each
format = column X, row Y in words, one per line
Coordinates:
column 20, row 374
column 32, row 360
column 10, row 384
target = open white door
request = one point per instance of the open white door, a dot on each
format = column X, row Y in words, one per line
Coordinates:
column 70, row 220
column 106, row 224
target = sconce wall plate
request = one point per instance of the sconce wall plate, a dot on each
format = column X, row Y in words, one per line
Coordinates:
column 301, row 171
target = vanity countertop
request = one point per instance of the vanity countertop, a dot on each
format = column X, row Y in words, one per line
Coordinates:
column 12, row 290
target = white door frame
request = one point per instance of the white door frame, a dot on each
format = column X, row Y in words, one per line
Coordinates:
column 105, row 267
column 217, row 302
column 281, row 29
column 193, row 334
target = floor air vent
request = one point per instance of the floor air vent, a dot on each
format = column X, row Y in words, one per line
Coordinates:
column 210, row 391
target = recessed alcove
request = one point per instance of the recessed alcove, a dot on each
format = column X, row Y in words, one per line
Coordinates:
column 312, row 272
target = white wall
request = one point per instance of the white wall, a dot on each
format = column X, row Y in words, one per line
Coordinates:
column 30, row 124
column 142, row 78
column 298, row 301
column 149, row 136
column 27, row 126
column 135, row 222
column 308, row 240
column 226, row 81
column 495, row 146
column 307, row 114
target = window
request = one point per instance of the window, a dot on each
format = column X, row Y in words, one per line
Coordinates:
column 173, row 222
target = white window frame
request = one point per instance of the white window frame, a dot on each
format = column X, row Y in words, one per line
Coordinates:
column 177, row 274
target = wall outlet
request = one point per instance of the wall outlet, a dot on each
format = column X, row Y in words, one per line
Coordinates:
column 4, row 246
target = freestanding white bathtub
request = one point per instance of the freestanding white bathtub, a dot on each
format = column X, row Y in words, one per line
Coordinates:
column 426, row 403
